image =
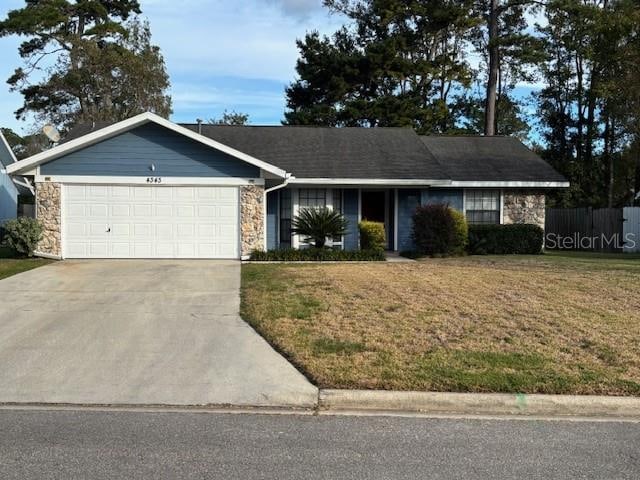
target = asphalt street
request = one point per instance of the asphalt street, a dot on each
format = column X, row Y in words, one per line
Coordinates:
column 104, row 445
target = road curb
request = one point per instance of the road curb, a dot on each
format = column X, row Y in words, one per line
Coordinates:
column 478, row 403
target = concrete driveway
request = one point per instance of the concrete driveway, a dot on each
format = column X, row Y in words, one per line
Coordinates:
column 137, row 332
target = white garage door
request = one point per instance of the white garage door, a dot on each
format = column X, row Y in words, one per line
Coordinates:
column 118, row 221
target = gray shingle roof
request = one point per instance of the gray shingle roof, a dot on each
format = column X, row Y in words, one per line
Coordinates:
column 377, row 153
column 318, row 152
column 478, row 158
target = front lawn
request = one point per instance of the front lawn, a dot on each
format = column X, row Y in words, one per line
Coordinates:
column 556, row 323
column 11, row 266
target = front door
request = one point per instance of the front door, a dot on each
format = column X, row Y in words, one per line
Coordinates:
column 374, row 208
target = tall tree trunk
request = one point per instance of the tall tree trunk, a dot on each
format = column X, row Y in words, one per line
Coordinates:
column 494, row 62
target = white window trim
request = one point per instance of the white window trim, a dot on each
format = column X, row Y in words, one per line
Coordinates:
column 296, row 240
column 500, row 201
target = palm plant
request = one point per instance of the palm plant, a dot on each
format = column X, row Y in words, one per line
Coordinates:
column 317, row 224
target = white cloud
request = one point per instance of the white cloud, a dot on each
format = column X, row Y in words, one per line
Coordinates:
column 205, row 42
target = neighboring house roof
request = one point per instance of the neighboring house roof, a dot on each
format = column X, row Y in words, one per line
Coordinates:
column 7, row 157
column 487, row 159
column 352, row 155
column 118, row 128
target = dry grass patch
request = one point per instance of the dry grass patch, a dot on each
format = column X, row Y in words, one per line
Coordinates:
column 551, row 324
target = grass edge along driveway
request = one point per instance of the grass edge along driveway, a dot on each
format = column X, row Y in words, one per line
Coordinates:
column 559, row 323
column 9, row 265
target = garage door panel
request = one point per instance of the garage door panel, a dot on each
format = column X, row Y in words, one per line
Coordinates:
column 142, row 210
column 228, row 212
column 98, row 211
column 165, row 250
column 120, row 230
column 186, row 250
column 143, row 230
column 97, row 191
column 185, row 230
column 120, row 211
column 77, row 249
column 163, row 211
column 164, row 231
column 98, row 250
column 185, row 193
column 150, row 222
column 98, row 229
column 142, row 193
column 226, row 250
column 77, row 229
column 78, row 210
column 120, row 250
column 185, row 211
column 143, row 250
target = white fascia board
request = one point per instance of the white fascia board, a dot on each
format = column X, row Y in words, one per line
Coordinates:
column 117, row 128
column 370, row 181
column 509, row 184
column 166, row 181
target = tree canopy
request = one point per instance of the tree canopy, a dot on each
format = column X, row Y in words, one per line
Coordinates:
column 456, row 66
column 86, row 60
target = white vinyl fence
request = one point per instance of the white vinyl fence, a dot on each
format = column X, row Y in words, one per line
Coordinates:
column 631, row 229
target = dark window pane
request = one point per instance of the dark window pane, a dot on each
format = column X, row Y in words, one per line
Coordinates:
column 285, row 218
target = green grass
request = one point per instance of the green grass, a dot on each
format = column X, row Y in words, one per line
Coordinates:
column 10, row 265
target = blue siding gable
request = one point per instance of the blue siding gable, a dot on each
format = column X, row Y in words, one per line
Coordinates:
column 132, row 154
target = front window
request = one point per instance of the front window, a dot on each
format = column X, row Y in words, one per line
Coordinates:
column 482, row 206
column 312, row 197
column 319, row 198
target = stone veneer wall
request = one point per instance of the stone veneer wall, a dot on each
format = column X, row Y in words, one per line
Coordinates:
column 48, row 211
column 251, row 219
column 524, row 206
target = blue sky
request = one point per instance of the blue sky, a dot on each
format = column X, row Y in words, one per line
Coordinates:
column 237, row 54
column 220, row 54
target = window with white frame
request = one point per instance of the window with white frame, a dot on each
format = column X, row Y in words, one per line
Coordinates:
column 312, row 197
column 482, row 206
column 318, row 198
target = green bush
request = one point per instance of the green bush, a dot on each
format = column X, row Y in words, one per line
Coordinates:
column 505, row 239
column 318, row 224
column 439, row 229
column 317, row 255
column 22, row 235
column 372, row 235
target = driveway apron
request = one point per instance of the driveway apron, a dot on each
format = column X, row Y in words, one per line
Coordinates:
column 138, row 332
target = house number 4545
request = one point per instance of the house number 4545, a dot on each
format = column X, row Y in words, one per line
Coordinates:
column 154, row 180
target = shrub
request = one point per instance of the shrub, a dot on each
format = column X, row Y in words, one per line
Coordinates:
column 439, row 230
column 317, row 224
column 22, row 235
column 317, row 255
column 505, row 239
column 372, row 235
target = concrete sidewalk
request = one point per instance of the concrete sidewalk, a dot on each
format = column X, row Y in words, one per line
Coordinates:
column 154, row 332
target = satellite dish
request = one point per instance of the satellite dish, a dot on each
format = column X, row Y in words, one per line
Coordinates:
column 51, row 132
